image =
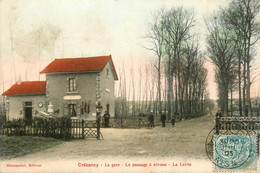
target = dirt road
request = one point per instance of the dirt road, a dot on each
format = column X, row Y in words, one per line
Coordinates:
column 185, row 142
column 186, row 139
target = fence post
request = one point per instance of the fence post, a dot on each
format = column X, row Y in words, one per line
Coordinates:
column 217, row 125
column 83, row 136
column 25, row 130
column 98, row 127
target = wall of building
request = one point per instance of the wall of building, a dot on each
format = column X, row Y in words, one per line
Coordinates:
column 58, row 95
column 107, row 86
column 15, row 105
column 57, row 88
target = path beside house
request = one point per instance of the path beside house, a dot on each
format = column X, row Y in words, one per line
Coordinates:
column 183, row 143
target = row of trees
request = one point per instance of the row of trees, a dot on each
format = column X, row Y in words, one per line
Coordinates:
column 136, row 89
column 175, row 45
column 176, row 82
column 234, row 31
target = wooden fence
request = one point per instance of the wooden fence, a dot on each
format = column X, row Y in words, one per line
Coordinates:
column 142, row 122
column 128, row 122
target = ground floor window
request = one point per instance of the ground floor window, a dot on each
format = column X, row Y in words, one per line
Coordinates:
column 28, row 111
column 72, row 110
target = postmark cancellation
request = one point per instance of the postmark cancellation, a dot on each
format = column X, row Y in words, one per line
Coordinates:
column 235, row 152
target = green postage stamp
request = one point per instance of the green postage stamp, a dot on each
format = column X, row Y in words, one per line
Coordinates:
column 235, row 152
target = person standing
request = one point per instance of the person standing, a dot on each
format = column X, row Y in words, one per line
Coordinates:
column 151, row 119
column 218, row 114
column 163, row 119
column 173, row 121
column 106, row 117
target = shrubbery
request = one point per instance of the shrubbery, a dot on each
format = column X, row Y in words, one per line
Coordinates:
column 48, row 127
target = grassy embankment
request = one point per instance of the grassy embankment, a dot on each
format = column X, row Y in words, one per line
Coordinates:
column 15, row 146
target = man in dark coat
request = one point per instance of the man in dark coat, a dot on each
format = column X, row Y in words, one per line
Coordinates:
column 163, row 119
column 219, row 114
column 173, row 121
column 151, row 119
column 106, row 117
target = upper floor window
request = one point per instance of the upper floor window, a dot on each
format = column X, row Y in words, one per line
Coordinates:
column 72, row 84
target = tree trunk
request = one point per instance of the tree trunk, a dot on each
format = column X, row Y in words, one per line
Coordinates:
column 244, row 87
column 231, row 99
column 248, row 74
column 239, row 84
column 159, row 85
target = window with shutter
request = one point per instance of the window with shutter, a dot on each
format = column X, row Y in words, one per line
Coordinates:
column 68, row 85
column 88, row 107
column 65, row 109
column 82, row 108
column 22, row 107
column 76, row 84
column 78, row 109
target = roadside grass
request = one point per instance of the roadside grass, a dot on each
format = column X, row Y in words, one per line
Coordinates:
column 15, row 146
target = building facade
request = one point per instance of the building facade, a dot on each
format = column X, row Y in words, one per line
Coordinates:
column 72, row 87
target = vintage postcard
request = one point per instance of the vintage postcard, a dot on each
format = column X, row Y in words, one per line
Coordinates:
column 129, row 86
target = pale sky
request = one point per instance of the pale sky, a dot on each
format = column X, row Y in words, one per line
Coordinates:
column 89, row 28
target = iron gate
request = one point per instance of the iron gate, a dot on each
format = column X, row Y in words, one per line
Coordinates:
column 237, row 124
column 233, row 126
column 90, row 129
column 81, row 129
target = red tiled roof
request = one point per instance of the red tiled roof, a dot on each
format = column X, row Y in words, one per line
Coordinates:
column 28, row 87
column 79, row 64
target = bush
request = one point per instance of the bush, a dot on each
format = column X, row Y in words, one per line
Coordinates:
column 47, row 127
column 2, row 120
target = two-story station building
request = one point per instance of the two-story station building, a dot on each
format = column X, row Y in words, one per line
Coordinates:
column 72, row 87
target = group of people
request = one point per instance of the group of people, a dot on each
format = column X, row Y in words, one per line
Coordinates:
column 163, row 120
column 150, row 119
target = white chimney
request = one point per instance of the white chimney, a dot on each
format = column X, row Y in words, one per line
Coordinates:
column 19, row 80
